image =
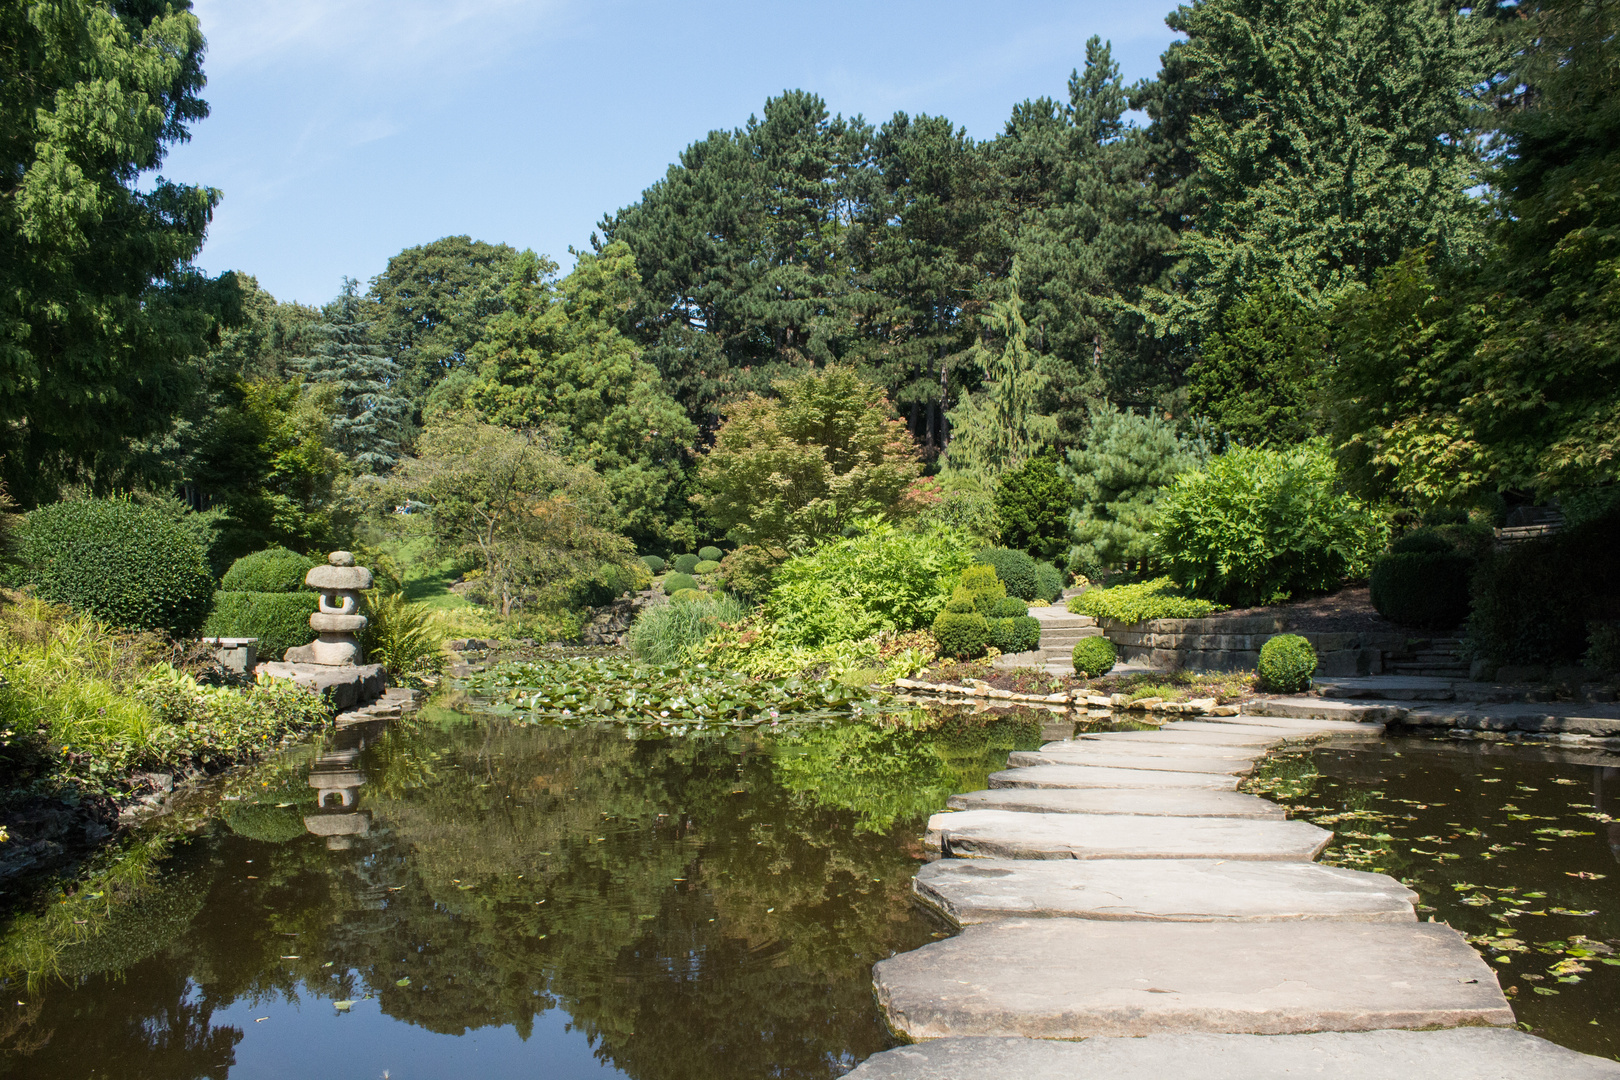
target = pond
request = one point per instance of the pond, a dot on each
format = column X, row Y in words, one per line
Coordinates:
column 484, row 894
column 1514, row 845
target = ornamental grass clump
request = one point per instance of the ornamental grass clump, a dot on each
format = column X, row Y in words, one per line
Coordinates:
column 1287, row 663
column 1094, row 657
column 661, row 634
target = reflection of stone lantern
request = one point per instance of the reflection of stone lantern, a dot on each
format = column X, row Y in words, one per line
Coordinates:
column 338, row 618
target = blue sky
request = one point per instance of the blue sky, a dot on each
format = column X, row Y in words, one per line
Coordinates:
column 345, row 130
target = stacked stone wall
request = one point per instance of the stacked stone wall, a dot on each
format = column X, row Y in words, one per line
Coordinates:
column 1217, row 644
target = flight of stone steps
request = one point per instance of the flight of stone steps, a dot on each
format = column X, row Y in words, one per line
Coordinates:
column 1061, row 631
column 1436, row 658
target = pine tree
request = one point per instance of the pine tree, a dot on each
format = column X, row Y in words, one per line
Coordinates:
column 370, row 414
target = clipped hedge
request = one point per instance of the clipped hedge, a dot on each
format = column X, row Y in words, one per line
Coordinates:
column 137, row 566
column 274, row 570
column 280, row 620
column 1534, row 602
column 1048, row 582
column 982, row 586
column 653, row 563
column 677, row 581
column 1287, row 663
column 684, row 564
column 1160, row 598
column 707, row 566
column 1424, row 588
column 1094, row 657
column 1008, row 607
column 710, row 554
column 961, row 635
column 1015, row 634
column 1016, row 570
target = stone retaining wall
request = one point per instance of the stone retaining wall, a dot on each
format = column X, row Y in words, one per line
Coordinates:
column 1217, row 644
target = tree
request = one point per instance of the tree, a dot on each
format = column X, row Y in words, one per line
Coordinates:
column 1118, row 478
column 507, row 501
column 432, row 305
column 1032, row 506
column 100, row 308
column 1325, row 139
column 369, row 415
column 1258, row 376
column 805, row 465
column 1000, row 428
column 557, row 358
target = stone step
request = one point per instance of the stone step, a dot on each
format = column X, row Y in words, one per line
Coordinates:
column 1163, row 745
column 1179, row 763
column 1010, row 834
column 1243, row 726
column 1171, row 736
column 1459, row 1054
column 1078, row 978
column 1295, row 724
column 1388, row 688
column 1093, row 776
column 968, row 891
column 1311, row 708
column 1139, row 801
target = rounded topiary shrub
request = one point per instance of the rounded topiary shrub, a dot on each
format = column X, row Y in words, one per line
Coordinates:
column 139, row 566
column 684, row 564
column 1048, row 582
column 675, row 582
column 710, row 554
column 962, row 635
column 1015, row 569
column 1016, row 634
column 1287, row 663
column 1094, row 656
column 1421, row 540
column 279, row 620
column 981, row 585
column 1009, row 607
column 271, row 570
column 707, row 566
column 1421, row 588
column 653, row 563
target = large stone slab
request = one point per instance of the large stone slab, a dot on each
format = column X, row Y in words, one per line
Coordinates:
column 1216, row 766
column 344, row 686
column 1172, row 802
column 1172, row 736
column 1163, row 745
column 1298, row 725
column 970, row 891
column 1075, row 978
column 1460, row 1054
column 1094, row 776
column 1237, row 727
column 1010, row 834
column 1314, row 708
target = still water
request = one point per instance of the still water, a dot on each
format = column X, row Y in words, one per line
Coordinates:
column 479, row 897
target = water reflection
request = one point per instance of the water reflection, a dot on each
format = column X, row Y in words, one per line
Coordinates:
column 696, row 907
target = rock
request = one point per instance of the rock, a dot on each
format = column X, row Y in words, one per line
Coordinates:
column 325, row 578
column 970, row 891
column 1169, row 761
column 1140, row 801
column 340, row 558
column 1310, row 708
column 1460, row 1054
column 1007, row 834
column 1077, row 978
column 1095, row 776
column 345, row 687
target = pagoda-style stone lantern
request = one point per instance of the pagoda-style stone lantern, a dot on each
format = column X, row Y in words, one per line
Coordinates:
column 339, row 618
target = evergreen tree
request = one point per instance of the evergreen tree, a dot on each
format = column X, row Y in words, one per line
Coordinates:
column 1001, row 427
column 1258, row 377
column 369, row 414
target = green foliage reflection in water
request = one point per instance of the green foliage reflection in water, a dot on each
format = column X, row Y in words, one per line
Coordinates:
column 679, row 699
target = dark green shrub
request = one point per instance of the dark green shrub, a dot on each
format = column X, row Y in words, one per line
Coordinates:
column 1603, row 650
column 1094, row 656
column 1015, row 634
column 139, row 566
column 707, row 566
column 271, row 570
column 279, row 620
column 1255, row 526
column 677, row 581
column 961, row 635
column 1287, row 663
column 961, row 603
column 1533, row 602
column 1421, row 541
column 684, row 564
column 1008, row 607
column 1048, row 582
column 1422, row 588
column 1015, row 569
column 1032, row 507
column 750, row 570
column 653, row 563
column 710, row 554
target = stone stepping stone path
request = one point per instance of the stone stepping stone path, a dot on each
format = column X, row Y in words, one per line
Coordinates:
column 1463, row 1054
column 1095, row 776
column 1173, row 803
column 968, row 891
column 1009, row 834
column 1074, row 978
column 1117, row 884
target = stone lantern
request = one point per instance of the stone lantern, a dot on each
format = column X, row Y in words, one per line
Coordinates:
column 338, row 618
